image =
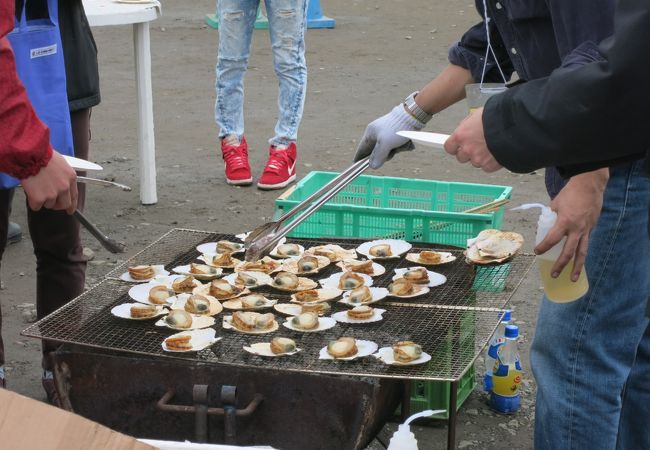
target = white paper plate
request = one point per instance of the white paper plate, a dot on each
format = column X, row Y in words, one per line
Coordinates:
column 418, row 290
column 140, row 293
column 210, row 248
column 204, row 290
column 385, row 354
column 377, row 295
column 81, row 164
column 445, row 257
column 227, row 324
column 264, row 349
column 262, row 278
column 200, row 339
column 158, row 269
column 324, row 295
column 235, row 304
column 435, row 278
column 185, row 270
column 324, row 323
column 364, row 348
column 181, row 299
column 332, row 282
column 198, row 322
column 377, row 269
column 123, row 311
column 207, row 258
column 397, row 246
column 435, row 140
column 343, row 317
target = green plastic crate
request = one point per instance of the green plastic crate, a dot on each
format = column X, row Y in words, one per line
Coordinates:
column 402, row 208
column 417, row 211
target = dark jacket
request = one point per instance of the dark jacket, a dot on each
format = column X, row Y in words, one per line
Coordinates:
column 79, row 50
column 584, row 118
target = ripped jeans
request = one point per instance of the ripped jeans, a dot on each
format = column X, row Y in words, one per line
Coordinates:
column 287, row 22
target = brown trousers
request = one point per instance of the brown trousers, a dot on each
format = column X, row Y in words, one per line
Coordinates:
column 60, row 264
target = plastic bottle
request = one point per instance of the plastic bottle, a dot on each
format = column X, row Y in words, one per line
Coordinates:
column 491, row 352
column 560, row 289
column 506, row 376
column 403, row 438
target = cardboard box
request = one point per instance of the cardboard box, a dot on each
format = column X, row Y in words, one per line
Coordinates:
column 27, row 424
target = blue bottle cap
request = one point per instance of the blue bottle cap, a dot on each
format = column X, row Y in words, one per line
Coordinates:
column 512, row 331
column 506, row 316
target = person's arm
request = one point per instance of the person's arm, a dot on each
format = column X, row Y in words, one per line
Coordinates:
column 25, row 150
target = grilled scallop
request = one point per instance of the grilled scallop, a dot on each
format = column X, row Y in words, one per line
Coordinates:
column 178, row 319
column 202, row 269
column 360, row 295
column 179, row 342
column 281, row 345
column 266, row 265
column 406, row 351
column 323, row 251
column 380, row 251
column 417, row 275
column 221, row 289
column 361, row 312
column 305, row 321
column 401, row 287
column 228, row 247
column 350, row 280
column 245, row 279
column 253, row 301
column 222, row 260
column 158, row 295
column 286, row 280
column 143, row 311
column 310, row 295
column 430, row 257
column 307, row 264
column 184, row 285
column 343, row 347
column 318, row 308
column 360, row 266
column 288, row 250
column 197, row 304
column 252, row 321
column 141, row 272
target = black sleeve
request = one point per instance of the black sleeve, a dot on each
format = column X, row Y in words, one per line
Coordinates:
column 593, row 114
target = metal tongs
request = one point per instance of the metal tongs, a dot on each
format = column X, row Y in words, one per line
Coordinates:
column 264, row 238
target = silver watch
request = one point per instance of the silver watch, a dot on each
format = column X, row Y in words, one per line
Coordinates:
column 415, row 110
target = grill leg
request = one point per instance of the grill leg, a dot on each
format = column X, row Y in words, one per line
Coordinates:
column 453, row 416
column 200, row 394
column 406, row 400
column 229, row 403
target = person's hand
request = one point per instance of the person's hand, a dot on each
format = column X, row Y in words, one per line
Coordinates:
column 380, row 140
column 53, row 187
column 468, row 144
column 578, row 206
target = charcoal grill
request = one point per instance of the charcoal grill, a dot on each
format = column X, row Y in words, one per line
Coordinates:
column 111, row 370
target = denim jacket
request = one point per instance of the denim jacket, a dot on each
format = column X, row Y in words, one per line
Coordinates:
column 534, row 37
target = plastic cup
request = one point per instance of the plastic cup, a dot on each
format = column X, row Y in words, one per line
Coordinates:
column 478, row 94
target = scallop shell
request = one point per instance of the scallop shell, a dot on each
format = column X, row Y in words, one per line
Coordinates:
column 334, row 252
column 305, row 321
column 184, row 285
column 249, row 302
column 350, row 280
column 197, row 304
column 228, row 247
column 286, row 281
column 418, row 275
column 401, row 287
column 222, row 261
column 377, row 295
column 266, row 265
column 360, row 295
column 493, row 246
column 316, row 295
column 442, row 258
column 221, row 290
column 406, row 351
column 203, row 269
column 178, row 319
column 250, row 280
column 397, row 248
column 287, row 250
column 294, row 265
column 213, row 309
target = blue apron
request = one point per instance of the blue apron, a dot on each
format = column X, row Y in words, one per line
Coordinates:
column 39, row 61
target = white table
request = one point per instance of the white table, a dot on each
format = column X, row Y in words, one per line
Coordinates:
column 108, row 12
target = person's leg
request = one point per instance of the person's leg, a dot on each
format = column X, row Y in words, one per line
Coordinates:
column 236, row 23
column 634, row 429
column 6, row 196
column 287, row 24
column 583, row 351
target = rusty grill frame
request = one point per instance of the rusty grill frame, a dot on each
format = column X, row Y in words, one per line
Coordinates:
column 452, row 323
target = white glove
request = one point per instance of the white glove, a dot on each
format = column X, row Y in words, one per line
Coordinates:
column 380, row 140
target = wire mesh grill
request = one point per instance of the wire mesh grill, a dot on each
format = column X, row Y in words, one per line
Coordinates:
column 452, row 323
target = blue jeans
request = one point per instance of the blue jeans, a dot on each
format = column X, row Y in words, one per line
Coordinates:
column 591, row 357
column 287, row 21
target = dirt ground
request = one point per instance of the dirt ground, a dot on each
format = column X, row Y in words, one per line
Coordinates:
column 378, row 53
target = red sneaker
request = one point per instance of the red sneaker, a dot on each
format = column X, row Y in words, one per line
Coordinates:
column 280, row 168
column 238, row 171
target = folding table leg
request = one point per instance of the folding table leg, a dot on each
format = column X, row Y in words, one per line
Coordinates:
column 453, row 413
column 146, row 141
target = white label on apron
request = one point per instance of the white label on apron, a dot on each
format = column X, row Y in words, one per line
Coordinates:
column 43, row 51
